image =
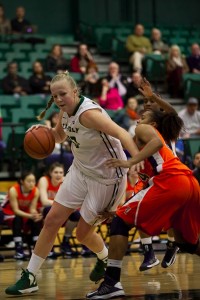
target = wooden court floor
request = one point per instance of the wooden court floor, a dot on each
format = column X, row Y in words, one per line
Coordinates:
column 69, row 279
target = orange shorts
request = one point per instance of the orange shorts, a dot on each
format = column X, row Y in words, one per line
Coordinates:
column 171, row 201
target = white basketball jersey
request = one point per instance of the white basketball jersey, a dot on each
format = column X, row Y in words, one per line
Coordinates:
column 92, row 148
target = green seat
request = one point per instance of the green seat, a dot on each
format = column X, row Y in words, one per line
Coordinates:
column 119, row 51
column 178, row 41
column 22, row 47
column 15, row 56
column 191, row 146
column 18, row 113
column 25, row 67
column 60, row 39
column 9, row 102
column 76, row 76
column 33, row 102
column 191, row 84
column 155, row 66
column 37, row 56
column 43, row 48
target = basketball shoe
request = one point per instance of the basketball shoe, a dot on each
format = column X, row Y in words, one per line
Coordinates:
column 25, row 285
column 99, row 270
column 150, row 260
column 170, row 255
column 108, row 289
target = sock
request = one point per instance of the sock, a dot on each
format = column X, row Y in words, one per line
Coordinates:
column 146, row 241
column 113, row 271
column 35, row 263
column 103, row 254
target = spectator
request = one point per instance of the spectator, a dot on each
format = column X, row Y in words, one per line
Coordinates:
column 158, row 46
column 13, row 83
column 20, row 211
column 5, row 26
column 176, row 67
column 191, row 118
column 193, row 60
column 90, row 80
column 109, row 98
column 117, row 80
column 19, row 23
column 80, row 61
column 134, row 84
column 196, row 162
column 39, row 81
column 62, row 152
column 138, row 45
column 55, row 61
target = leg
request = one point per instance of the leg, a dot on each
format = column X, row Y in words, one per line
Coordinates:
column 54, row 220
column 185, row 246
column 17, row 226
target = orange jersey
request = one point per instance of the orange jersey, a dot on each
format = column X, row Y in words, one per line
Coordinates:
column 132, row 190
column 24, row 200
column 51, row 189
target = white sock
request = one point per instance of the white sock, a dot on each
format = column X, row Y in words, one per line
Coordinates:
column 35, row 263
column 146, row 241
column 103, row 254
column 114, row 263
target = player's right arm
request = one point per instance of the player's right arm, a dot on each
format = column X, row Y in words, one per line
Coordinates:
column 43, row 186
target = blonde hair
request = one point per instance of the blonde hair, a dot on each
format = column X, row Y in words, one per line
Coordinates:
column 58, row 77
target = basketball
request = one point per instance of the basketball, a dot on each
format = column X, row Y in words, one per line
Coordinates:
column 39, row 142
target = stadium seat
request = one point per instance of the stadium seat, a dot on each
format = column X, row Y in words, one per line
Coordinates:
column 15, row 56
column 191, row 83
column 40, row 56
column 119, row 52
column 191, row 146
column 155, row 68
column 21, row 47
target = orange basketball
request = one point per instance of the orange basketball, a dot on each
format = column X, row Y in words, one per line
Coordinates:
column 39, row 142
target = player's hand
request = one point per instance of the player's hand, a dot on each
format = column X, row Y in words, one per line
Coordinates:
column 114, row 163
column 145, row 88
column 36, row 217
column 107, row 215
column 36, row 126
column 137, row 167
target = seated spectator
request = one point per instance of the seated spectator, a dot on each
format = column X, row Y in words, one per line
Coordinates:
column 138, row 45
column 39, row 81
column 196, row 162
column 133, row 85
column 193, row 60
column 20, row 211
column 90, row 80
column 13, row 83
column 176, row 67
column 55, row 61
column 116, row 79
column 62, row 152
column 1, row 223
column 19, row 23
column 191, row 118
column 80, row 61
column 5, row 26
column 158, row 46
column 109, row 98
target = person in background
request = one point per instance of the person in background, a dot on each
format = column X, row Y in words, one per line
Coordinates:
column 133, row 85
column 1, row 223
column 55, row 61
column 39, row 81
column 176, row 67
column 193, row 60
column 62, row 152
column 5, row 26
column 191, row 118
column 116, row 79
column 13, row 83
column 19, row 22
column 138, row 45
column 109, row 98
column 90, row 79
column 48, row 186
column 129, row 117
column 80, row 61
column 20, row 211
column 196, row 163
column 158, row 46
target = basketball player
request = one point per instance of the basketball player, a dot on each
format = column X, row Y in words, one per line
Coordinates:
column 172, row 199
column 89, row 184
column 154, row 102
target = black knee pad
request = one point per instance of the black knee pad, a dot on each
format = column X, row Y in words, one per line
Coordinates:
column 119, row 227
column 75, row 216
column 187, row 247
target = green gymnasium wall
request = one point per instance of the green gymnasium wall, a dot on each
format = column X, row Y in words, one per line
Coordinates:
column 63, row 16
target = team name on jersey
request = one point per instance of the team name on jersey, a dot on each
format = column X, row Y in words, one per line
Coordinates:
column 70, row 129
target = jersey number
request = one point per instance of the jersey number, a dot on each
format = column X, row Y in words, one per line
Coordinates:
column 74, row 141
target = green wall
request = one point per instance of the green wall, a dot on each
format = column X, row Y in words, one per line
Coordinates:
column 63, row 16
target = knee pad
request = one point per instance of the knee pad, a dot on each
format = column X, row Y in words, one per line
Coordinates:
column 119, row 227
column 75, row 216
column 187, row 247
